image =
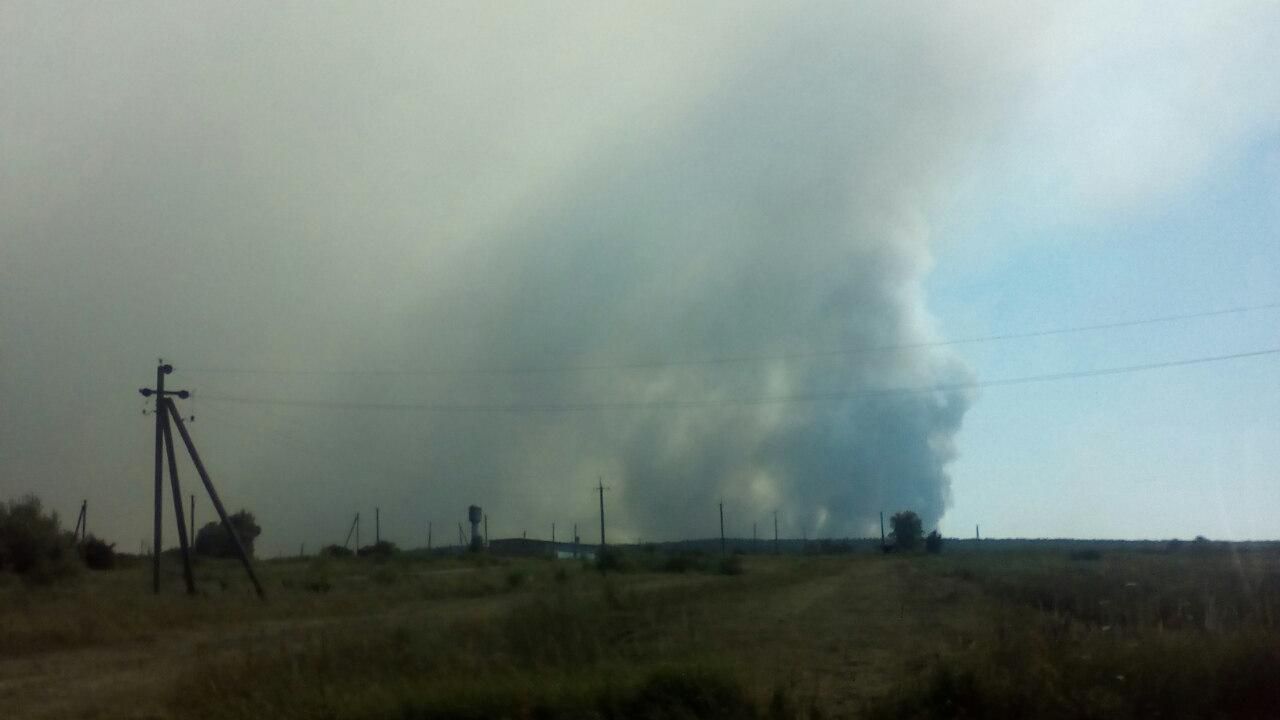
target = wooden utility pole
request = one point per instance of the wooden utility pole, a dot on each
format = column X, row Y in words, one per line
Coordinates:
column 177, row 506
column 81, row 533
column 977, row 532
column 355, row 528
column 553, row 535
column 163, row 409
column 601, row 489
column 377, row 526
column 161, row 371
column 428, row 537
column 721, row 527
column 882, row 545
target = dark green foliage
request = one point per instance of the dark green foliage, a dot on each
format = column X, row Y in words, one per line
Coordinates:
column 683, row 562
column 98, row 554
column 32, row 544
column 212, row 540
column 335, row 551
column 611, row 559
column 731, row 565
column 380, row 549
column 907, row 530
column 687, row 693
column 1086, row 554
column 1042, row 674
column 933, row 543
column 830, row 547
column 666, row 693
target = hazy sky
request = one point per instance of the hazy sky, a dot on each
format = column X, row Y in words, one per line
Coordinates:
column 418, row 256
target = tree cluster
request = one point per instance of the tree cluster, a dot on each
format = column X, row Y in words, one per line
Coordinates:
column 212, row 540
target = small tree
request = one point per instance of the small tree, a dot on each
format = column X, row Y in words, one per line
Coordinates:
column 98, row 554
column 337, row 551
column 933, row 543
column 212, row 539
column 32, row 544
column 380, row 549
column 907, row 530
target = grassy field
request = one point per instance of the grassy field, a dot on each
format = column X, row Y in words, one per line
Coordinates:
column 1028, row 633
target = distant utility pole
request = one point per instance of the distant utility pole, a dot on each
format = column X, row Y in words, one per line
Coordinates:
column 355, row 528
column 977, row 532
column 575, row 540
column 553, row 535
column 775, row 532
column 81, row 533
column 462, row 537
column 377, row 526
column 486, row 529
column 882, row 545
column 601, row 489
column 721, row 527
column 166, row 415
column 429, row 536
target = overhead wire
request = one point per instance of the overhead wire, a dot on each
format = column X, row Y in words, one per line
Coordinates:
column 739, row 359
column 811, row 397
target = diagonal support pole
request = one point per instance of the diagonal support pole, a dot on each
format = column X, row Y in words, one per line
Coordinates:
column 177, row 502
column 355, row 524
column 213, row 496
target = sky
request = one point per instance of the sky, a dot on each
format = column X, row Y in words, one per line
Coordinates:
column 419, row 256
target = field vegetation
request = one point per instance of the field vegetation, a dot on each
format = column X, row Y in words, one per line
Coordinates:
column 1191, row 632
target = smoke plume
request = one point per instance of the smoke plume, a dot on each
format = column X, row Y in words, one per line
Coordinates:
column 645, row 246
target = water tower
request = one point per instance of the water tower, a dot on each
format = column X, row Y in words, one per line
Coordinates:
column 475, row 515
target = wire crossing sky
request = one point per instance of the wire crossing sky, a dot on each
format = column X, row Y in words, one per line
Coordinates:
column 773, row 256
column 749, row 358
column 764, row 400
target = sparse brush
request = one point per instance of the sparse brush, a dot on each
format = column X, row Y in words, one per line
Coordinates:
column 32, row 545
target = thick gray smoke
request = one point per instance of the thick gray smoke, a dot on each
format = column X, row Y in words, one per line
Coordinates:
column 597, row 203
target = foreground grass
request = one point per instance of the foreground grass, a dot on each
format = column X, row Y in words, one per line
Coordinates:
column 572, row 644
column 1191, row 635
column 108, row 608
column 998, row 635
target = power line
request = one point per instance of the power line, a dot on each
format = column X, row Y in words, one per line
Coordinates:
column 759, row 400
column 742, row 359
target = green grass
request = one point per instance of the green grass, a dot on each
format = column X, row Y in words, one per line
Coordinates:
column 1188, row 635
column 1026, row 633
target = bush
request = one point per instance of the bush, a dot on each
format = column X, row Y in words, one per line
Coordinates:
column 933, row 543
column 212, row 540
column 98, row 554
column 1086, row 554
column 610, row 558
column 380, row 549
column 335, row 551
column 31, row 543
column 731, row 565
column 682, row 563
column 907, row 530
